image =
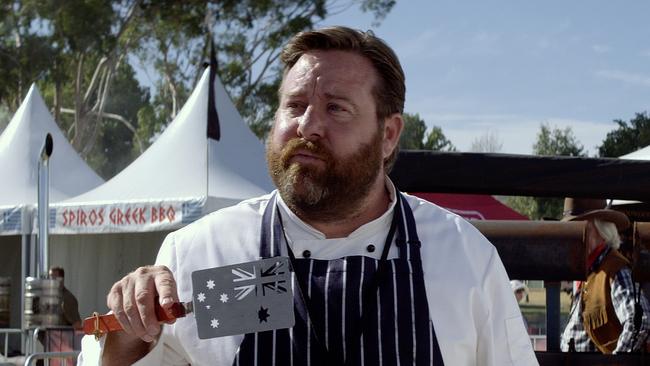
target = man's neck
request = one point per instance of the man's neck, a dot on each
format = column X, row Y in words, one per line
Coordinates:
column 373, row 206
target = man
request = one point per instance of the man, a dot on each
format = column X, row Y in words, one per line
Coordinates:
column 519, row 289
column 70, row 305
column 603, row 312
column 380, row 277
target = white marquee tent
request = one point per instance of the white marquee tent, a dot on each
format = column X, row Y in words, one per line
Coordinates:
column 641, row 154
column 20, row 146
column 182, row 176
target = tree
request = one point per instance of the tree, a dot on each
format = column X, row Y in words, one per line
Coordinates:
column 628, row 137
column 489, row 142
column 78, row 49
column 557, row 142
column 118, row 141
column 5, row 117
column 550, row 142
column 437, row 141
column 248, row 34
column 413, row 135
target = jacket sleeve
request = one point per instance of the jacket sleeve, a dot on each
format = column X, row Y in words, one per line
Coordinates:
column 622, row 294
column 503, row 340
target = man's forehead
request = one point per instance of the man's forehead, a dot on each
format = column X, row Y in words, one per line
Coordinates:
column 329, row 71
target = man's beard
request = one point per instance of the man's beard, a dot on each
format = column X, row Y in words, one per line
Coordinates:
column 324, row 193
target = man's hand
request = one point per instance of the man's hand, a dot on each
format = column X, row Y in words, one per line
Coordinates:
column 132, row 300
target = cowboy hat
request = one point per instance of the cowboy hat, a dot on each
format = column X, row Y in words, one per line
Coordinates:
column 583, row 209
column 518, row 285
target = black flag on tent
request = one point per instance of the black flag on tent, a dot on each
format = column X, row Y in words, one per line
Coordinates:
column 214, row 131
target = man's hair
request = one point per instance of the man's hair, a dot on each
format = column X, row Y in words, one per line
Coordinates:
column 609, row 232
column 57, row 271
column 390, row 91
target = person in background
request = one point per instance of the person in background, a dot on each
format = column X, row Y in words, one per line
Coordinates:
column 70, row 305
column 604, row 315
column 520, row 290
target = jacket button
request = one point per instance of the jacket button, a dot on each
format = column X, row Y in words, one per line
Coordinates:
column 306, row 254
column 370, row 248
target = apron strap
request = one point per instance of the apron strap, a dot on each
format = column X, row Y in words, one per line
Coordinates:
column 271, row 230
column 412, row 250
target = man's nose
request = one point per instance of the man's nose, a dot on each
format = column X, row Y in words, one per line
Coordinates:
column 312, row 124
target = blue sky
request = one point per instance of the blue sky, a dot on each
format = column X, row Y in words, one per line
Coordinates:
column 505, row 67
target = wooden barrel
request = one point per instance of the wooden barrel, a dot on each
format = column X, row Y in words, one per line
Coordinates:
column 5, row 301
column 43, row 299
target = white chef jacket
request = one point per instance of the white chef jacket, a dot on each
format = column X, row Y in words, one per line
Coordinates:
column 476, row 317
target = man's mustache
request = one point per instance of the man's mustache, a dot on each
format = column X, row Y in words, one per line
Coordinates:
column 294, row 146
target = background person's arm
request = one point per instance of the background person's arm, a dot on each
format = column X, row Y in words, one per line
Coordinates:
column 622, row 295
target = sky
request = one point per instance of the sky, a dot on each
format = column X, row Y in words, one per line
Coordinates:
column 505, row 67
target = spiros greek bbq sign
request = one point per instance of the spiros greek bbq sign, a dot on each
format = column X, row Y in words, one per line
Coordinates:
column 139, row 216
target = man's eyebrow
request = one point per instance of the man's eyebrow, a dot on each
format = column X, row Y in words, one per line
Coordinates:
column 340, row 97
column 296, row 92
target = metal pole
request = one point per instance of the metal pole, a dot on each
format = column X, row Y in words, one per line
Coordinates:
column 24, row 273
column 43, row 206
column 552, row 316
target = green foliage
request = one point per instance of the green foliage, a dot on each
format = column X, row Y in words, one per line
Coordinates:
column 437, row 141
column 550, row 142
column 413, row 136
column 380, row 8
column 628, row 137
column 537, row 208
column 81, row 52
column 116, row 143
column 5, row 117
column 557, row 142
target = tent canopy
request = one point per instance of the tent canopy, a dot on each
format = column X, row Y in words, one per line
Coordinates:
column 641, row 154
column 473, row 206
column 20, row 147
column 182, row 176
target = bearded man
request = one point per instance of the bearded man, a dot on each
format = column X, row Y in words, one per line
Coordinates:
column 379, row 277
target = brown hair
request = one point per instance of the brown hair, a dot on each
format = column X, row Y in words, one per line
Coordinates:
column 390, row 91
column 56, row 272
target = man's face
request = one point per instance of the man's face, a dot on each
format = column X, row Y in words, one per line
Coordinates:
column 326, row 148
column 593, row 237
column 519, row 294
column 54, row 274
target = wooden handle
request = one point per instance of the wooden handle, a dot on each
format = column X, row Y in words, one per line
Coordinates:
column 98, row 325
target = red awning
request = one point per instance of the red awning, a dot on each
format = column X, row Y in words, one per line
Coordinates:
column 473, row 206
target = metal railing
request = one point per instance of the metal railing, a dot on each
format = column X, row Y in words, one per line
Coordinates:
column 56, row 340
column 48, row 356
column 6, row 332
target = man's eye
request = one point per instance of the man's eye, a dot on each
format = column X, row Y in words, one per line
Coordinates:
column 293, row 106
column 335, row 108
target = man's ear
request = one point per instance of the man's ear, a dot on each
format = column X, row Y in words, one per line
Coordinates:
column 393, row 126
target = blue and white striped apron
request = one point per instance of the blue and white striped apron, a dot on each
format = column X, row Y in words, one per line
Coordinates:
column 354, row 310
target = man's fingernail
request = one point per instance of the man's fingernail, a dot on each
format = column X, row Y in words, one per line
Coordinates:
column 166, row 300
column 147, row 338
